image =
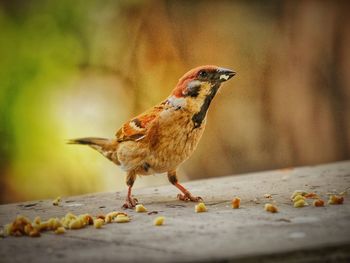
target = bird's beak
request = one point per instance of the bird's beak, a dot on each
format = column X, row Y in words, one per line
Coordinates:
column 225, row 74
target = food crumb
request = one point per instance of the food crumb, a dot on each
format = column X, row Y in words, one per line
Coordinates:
column 300, row 203
column 271, row 208
column 335, row 200
column 140, row 208
column 298, row 197
column 236, row 202
column 60, row 230
column 318, row 202
column 57, row 201
column 158, row 221
column 298, row 192
column 200, row 208
column 122, row 219
column 98, row 223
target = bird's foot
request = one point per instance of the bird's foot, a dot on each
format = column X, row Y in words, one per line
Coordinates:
column 130, row 202
column 188, row 197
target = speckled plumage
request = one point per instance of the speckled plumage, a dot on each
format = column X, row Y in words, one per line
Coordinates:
column 163, row 137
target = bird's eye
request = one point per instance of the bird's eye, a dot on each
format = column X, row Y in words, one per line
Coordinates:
column 202, row 74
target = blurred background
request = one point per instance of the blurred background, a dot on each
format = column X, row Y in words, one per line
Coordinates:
column 81, row 68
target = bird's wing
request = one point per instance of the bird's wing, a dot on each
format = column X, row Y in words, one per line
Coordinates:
column 139, row 127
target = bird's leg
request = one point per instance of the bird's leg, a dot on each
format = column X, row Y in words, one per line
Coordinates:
column 130, row 202
column 186, row 196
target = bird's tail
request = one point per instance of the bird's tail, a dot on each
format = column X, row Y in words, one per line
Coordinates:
column 90, row 141
column 104, row 146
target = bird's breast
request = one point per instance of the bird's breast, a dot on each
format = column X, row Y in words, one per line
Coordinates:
column 174, row 141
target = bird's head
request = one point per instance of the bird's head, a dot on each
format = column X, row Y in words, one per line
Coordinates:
column 196, row 89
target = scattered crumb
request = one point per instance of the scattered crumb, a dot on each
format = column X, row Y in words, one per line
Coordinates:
column 300, row 203
column 267, row 195
column 34, row 233
column 158, row 221
column 336, row 200
column 298, row 197
column 110, row 216
column 57, row 201
column 99, row 222
column 122, row 219
column 200, row 208
column 76, row 224
column 312, row 195
column 271, row 208
column 236, row 202
column 101, row 217
column 140, row 208
column 318, row 202
column 60, row 230
column 298, row 192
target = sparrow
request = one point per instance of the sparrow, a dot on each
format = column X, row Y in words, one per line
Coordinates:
column 163, row 137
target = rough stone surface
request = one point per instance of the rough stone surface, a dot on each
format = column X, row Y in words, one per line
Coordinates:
column 248, row 234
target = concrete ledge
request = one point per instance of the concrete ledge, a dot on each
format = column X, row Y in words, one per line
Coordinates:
column 248, row 234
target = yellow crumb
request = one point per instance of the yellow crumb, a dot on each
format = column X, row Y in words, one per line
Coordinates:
column 57, row 201
column 60, row 230
column 70, row 215
column 34, row 233
column 112, row 215
column 86, row 219
column 158, row 221
column 200, row 208
column 298, row 197
column 335, row 200
column 300, row 203
column 28, row 228
column 271, row 208
column 98, row 223
column 140, row 208
column 122, row 219
column 76, row 224
column 37, row 220
column 20, row 219
column 298, row 192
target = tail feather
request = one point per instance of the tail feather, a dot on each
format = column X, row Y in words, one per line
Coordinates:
column 104, row 146
column 89, row 141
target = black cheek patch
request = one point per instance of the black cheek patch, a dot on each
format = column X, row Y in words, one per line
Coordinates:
column 193, row 89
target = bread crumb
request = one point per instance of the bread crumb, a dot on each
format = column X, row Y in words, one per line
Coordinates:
column 57, row 201
column 298, row 197
column 98, row 223
column 318, row 202
column 122, row 219
column 271, row 208
column 60, row 230
column 236, row 202
column 300, row 203
column 200, row 208
column 298, row 192
column 335, row 200
column 158, row 221
column 140, row 208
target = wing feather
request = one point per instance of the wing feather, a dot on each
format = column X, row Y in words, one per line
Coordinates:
column 138, row 128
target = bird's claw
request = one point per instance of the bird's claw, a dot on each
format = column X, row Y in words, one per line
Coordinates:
column 130, row 203
column 188, row 197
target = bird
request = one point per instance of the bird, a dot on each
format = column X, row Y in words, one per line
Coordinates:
column 163, row 137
